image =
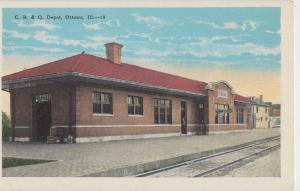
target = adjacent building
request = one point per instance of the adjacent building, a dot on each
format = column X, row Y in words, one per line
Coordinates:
column 261, row 112
column 275, row 115
column 93, row 99
column 275, row 110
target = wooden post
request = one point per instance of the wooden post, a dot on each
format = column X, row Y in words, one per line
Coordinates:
column 12, row 114
column 70, row 110
column 72, row 115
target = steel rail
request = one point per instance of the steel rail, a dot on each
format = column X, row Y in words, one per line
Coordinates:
column 235, row 161
column 156, row 171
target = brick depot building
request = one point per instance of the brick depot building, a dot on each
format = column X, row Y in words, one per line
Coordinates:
column 96, row 99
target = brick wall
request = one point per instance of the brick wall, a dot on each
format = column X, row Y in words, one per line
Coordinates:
column 87, row 124
column 120, row 123
column 214, row 99
column 23, row 108
column 275, row 113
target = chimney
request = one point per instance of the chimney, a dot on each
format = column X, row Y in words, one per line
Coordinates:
column 113, row 52
column 261, row 99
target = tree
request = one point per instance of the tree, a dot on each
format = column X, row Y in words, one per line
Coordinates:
column 5, row 125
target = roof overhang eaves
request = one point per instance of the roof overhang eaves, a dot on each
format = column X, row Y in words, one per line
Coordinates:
column 244, row 102
column 138, row 84
column 6, row 84
column 263, row 105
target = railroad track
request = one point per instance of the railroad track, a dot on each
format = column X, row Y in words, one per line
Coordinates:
column 215, row 163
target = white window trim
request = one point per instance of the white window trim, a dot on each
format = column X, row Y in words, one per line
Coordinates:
column 223, row 91
column 132, row 115
column 103, row 114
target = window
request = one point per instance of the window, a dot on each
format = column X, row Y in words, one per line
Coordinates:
column 223, row 93
column 222, row 114
column 256, row 109
column 266, row 110
column 102, row 103
column 162, row 111
column 240, row 115
column 135, row 105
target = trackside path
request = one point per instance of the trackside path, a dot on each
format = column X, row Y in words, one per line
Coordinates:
column 89, row 158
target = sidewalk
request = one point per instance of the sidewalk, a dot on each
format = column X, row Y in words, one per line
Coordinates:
column 93, row 158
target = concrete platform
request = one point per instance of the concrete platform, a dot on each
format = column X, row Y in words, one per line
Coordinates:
column 119, row 158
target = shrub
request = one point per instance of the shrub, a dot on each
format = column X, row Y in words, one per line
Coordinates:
column 5, row 125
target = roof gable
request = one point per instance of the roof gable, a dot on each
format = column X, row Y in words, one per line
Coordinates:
column 212, row 85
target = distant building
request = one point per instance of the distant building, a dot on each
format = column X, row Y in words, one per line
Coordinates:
column 261, row 112
column 275, row 115
column 275, row 110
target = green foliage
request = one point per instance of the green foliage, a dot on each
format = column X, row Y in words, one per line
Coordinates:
column 5, row 125
column 12, row 162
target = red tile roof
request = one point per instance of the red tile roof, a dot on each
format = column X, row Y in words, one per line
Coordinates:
column 97, row 66
column 243, row 99
column 93, row 65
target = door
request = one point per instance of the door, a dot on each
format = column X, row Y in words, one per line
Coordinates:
column 251, row 118
column 42, row 116
column 183, row 118
column 202, row 129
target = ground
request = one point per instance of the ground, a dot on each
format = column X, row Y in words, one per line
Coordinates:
column 266, row 166
column 88, row 158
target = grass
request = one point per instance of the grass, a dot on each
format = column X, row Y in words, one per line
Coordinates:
column 12, row 162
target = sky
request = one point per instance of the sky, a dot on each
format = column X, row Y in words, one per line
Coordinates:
column 239, row 45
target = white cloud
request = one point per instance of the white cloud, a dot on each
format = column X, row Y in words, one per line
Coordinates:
column 151, row 22
column 156, row 53
column 72, row 42
column 102, row 39
column 17, row 35
column 34, row 48
column 37, row 23
column 136, row 37
column 202, row 40
column 81, row 43
column 46, row 38
column 272, row 32
column 199, row 50
column 249, row 24
column 93, row 42
column 112, row 22
column 246, row 24
column 212, row 39
column 42, row 36
column 229, row 25
column 223, row 50
column 95, row 26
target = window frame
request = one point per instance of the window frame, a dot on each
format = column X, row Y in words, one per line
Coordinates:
column 134, row 105
column 167, row 111
column 101, row 103
column 240, row 115
column 223, row 93
column 225, row 117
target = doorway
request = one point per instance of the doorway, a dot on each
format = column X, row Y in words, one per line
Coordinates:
column 183, row 118
column 42, row 116
column 202, row 129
